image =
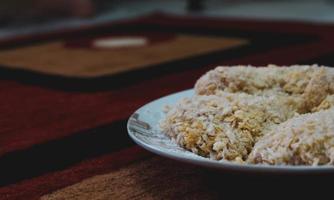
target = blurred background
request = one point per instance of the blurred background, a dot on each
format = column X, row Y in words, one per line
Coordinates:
column 30, row 16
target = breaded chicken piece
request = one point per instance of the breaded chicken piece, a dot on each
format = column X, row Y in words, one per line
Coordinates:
column 304, row 140
column 311, row 84
column 225, row 125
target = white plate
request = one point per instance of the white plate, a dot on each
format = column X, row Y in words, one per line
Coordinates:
column 143, row 128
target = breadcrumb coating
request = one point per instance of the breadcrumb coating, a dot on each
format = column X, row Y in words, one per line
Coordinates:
column 304, row 140
column 249, row 114
column 225, row 125
column 311, row 83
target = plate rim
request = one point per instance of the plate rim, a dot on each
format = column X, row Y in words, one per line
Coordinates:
column 222, row 164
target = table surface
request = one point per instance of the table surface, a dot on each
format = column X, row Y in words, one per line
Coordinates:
column 66, row 100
